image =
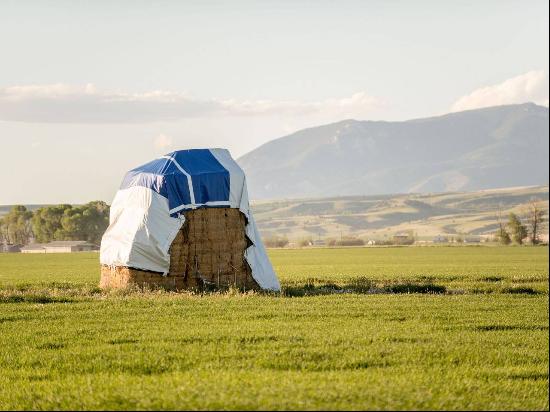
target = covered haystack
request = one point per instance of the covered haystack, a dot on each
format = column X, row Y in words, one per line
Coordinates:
column 183, row 221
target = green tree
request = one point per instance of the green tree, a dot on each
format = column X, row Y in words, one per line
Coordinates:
column 87, row 222
column 276, row 241
column 65, row 222
column 3, row 232
column 16, row 225
column 518, row 230
column 46, row 223
column 503, row 237
column 535, row 219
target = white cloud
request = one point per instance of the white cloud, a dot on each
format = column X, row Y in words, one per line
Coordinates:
column 60, row 103
column 357, row 102
column 162, row 142
column 528, row 87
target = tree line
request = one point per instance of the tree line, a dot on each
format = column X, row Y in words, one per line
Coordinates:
column 516, row 230
column 60, row 222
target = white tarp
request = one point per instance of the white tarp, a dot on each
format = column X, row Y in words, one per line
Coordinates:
column 147, row 211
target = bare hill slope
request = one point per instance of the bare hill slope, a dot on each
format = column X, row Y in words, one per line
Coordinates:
column 380, row 217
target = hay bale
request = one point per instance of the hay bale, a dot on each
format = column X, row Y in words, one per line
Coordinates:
column 208, row 251
column 123, row 277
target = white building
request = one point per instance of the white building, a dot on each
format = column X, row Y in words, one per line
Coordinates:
column 33, row 248
column 59, row 246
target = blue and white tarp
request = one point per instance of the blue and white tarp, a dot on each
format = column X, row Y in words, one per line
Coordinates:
column 147, row 211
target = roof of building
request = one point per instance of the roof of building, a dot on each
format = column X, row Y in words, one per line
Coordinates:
column 67, row 243
column 10, row 247
column 56, row 243
column 33, row 246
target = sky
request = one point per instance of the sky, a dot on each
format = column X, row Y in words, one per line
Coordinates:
column 91, row 89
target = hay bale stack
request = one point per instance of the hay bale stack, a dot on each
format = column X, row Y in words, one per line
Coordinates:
column 208, row 251
column 120, row 277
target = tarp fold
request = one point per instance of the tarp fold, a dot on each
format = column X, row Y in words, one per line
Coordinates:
column 148, row 210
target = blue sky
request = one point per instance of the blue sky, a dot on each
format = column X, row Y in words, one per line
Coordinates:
column 89, row 89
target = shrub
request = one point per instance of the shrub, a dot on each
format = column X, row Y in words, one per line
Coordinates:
column 276, row 241
column 503, row 237
column 350, row 241
column 305, row 242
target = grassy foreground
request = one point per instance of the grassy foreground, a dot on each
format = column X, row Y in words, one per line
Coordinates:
column 338, row 338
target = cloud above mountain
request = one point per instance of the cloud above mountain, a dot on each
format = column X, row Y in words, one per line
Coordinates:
column 163, row 142
column 528, row 87
column 62, row 103
column 86, row 104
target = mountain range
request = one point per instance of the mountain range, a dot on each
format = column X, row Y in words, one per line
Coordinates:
column 500, row 146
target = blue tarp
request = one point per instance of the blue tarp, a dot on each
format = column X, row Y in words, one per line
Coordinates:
column 170, row 176
column 147, row 211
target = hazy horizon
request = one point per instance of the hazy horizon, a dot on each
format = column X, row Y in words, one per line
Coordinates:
column 89, row 90
column 294, row 199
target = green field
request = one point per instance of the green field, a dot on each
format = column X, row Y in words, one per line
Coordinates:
column 346, row 333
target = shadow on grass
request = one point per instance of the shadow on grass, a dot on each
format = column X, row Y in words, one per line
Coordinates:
column 51, row 346
column 515, row 290
column 57, row 292
column 415, row 288
column 491, row 279
column 359, row 285
column 32, row 298
column 529, row 376
column 61, row 287
column 47, row 292
column 122, row 341
column 501, row 328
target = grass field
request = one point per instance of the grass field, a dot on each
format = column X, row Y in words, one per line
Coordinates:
column 344, row 334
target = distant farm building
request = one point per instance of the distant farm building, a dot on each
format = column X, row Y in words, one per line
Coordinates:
column 34, row 248
column 9, row 248
column 441, row 239
column 403, row 238
column 59, row 246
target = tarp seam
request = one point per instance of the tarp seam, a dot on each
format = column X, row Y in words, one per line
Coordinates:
column 189, row 179
column 194, row 206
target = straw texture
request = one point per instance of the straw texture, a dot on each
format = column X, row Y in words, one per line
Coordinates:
column 208, row 252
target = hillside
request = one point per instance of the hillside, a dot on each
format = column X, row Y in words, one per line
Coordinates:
column 380, row 217
column 478, row 149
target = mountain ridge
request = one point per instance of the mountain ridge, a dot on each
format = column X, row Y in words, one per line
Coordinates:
column 471, row 150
